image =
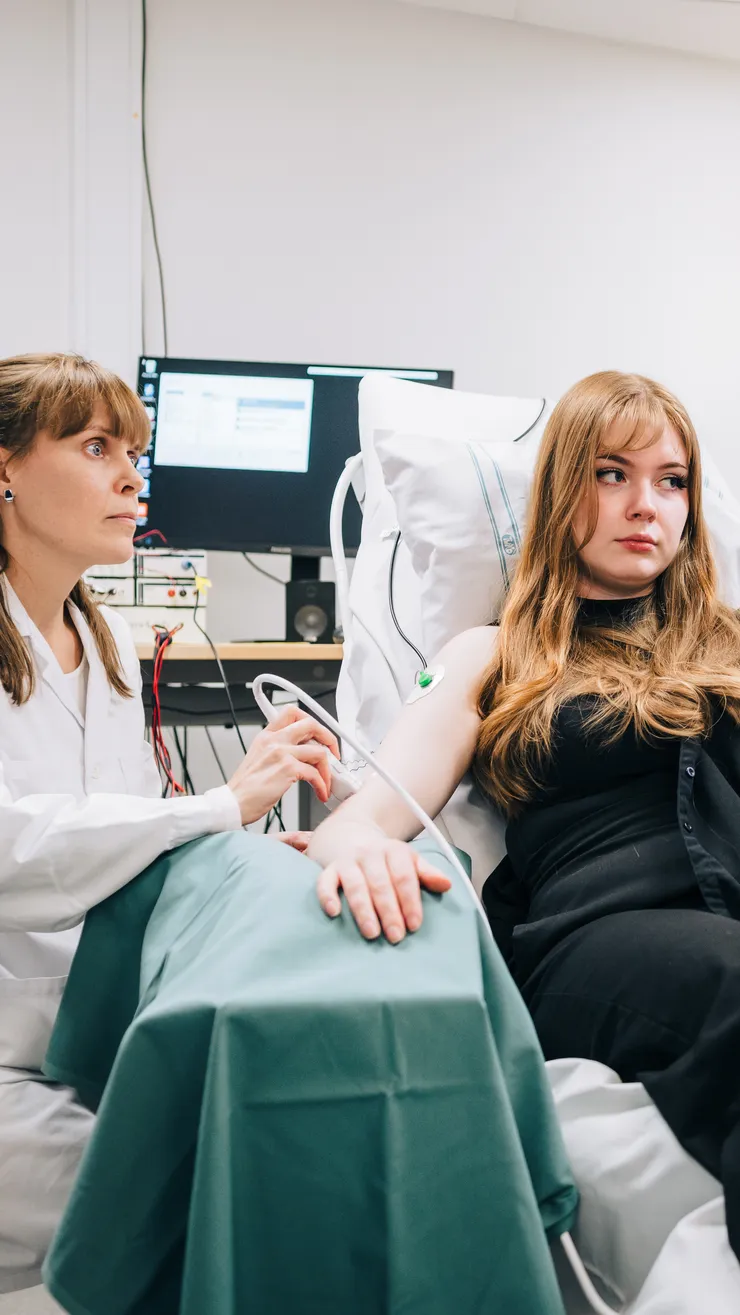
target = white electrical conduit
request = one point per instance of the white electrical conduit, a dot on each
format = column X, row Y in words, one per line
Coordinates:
column 321, row 714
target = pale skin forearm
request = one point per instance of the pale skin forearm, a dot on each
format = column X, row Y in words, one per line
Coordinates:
column 428, row 750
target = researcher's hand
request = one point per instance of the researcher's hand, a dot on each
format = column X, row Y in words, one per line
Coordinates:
column 290, row 749
column 382, row 881
column 296, row 839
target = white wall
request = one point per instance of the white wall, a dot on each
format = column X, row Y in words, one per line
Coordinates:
column 70, row 200
column 35, row 209
column 379, row 183
column 366, row 181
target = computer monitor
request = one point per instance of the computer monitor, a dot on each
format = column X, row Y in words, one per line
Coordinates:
column 245, row 456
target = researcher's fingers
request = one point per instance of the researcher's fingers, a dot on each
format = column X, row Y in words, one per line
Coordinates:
column 296, row 839
column 312, row 775
column 316, row 755
column 289, row 713
column 360, row 900
column 327, row 889
column 380, row 884
column 304, row 728
column 402, row 868
column 430, row 877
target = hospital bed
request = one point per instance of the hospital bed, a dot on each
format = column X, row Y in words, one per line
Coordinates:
column 443, row 479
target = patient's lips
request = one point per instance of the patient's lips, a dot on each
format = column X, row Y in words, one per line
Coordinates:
column 638, row 542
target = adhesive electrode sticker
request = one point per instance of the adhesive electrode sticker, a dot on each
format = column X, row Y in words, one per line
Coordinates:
column 426, row 681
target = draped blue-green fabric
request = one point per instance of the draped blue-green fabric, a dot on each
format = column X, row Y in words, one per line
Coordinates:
column 292, row 1120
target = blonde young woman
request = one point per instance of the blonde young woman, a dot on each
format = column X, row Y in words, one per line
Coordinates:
column 81, row 807
column 602, row 719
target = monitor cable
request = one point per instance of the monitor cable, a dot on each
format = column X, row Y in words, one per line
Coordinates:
column 267, row 574
column 148, row 189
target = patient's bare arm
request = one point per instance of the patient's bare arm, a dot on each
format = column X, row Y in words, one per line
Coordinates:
column 361, row 847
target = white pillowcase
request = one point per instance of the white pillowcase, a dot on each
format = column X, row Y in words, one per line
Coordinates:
column 461, row 509
column 379, row 666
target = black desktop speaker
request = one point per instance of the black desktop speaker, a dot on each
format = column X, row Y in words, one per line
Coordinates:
column 309, row 613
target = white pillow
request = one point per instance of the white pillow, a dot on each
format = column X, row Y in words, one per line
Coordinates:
column 380, row 667
column 461, row 510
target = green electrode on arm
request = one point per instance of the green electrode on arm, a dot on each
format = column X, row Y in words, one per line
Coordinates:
column 426, row 681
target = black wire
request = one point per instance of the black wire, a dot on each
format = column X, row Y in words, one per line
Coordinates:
column 277, row 810
column 394, row 554
column 145, row 160
column 404, row 637
column 262, row 570
column 215, row 712
column 219, row 664
column 215, row 754
column 533, row 425
column 183, row 755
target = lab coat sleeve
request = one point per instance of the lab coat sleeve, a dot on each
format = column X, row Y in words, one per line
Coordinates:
column 60, row 856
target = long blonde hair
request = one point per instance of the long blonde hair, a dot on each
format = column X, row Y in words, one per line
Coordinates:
column 679, row 650
column 57, row 393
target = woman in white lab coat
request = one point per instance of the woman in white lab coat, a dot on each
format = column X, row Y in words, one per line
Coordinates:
column 81, row 811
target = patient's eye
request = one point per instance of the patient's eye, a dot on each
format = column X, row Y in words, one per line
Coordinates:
column 604, row 476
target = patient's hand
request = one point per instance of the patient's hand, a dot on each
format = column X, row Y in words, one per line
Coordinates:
column 382, row 881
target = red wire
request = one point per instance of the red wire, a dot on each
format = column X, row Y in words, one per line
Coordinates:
column 148, row 535
column 163, row 639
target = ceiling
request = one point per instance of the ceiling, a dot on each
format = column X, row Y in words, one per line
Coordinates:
column 699, row 27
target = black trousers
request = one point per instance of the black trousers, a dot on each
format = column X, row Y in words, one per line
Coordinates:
column 655, row 995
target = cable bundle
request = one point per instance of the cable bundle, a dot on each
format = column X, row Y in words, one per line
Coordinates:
column 162, row 640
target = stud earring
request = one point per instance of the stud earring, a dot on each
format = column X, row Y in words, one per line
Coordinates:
column 9, row 495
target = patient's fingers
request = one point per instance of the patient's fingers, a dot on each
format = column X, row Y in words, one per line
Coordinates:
column 430, row 877
column 382, row 889
column 402, row 867
column 380, row 884
column 359, row 898
column 327, row 889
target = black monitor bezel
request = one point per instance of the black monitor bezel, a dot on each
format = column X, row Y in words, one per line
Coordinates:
column 203, row 365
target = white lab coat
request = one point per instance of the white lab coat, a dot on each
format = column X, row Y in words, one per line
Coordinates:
column 81, row 814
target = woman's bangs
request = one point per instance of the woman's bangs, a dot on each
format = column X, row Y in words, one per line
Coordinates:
column 70, row 402
column 128, row 415
column 643, row 423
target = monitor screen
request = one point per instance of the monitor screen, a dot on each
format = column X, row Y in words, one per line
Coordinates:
column 246, row 456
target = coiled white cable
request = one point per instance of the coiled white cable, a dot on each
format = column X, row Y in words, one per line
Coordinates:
column 270, row 712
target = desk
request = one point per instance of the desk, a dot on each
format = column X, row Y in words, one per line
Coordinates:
column 191, row 691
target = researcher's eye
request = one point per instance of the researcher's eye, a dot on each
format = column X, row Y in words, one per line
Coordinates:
column 605, row 475
column 675, row 481
column 97, row 447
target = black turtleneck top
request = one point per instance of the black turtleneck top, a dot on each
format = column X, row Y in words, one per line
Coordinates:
column 604, row 832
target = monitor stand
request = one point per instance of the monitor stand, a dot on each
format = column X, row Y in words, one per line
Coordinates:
column 304, row 568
